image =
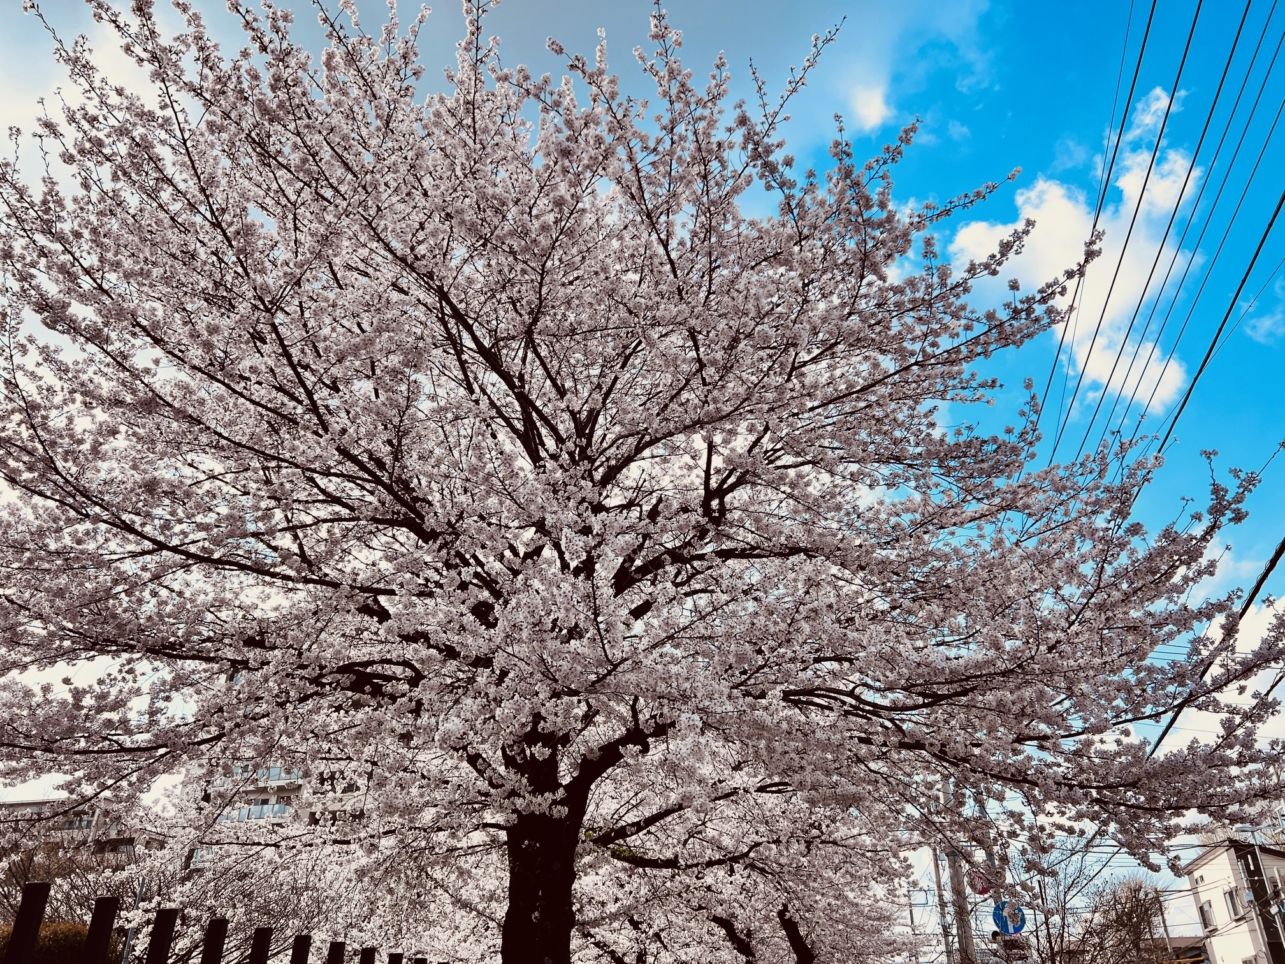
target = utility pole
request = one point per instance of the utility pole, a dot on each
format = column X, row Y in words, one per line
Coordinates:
column 1160, row 905
column 914, row 935
column 1249, row 862
column 941, row 908
column 963, row 919
column 1048, row 926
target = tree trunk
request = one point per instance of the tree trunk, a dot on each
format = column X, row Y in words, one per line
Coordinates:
column 540, row 917
column 542, row 848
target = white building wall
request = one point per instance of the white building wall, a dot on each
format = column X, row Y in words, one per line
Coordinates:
column 1230, row 919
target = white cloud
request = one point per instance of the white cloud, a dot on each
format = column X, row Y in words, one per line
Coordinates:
column 870, row 106
column 1115, row 283
column 1267, row 328
column 1068, row 154
column 957, row 131
column 910, row 40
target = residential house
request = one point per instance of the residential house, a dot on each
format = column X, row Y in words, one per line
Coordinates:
column 1239, row 890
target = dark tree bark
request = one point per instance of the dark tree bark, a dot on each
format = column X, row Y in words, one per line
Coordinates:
column 739, row 941
column 541, row 847
column 540, row 916
column 803, row 952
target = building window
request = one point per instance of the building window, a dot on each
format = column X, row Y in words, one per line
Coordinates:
column 78, row 820
column 203, row 857
column 1234, row 906
column 115, row 845
column 259, row 808
column 1207, row 916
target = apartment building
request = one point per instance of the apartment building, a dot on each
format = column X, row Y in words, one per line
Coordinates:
column 266, row 793
column 271, row 794
column 82, row 825
column 249, row 795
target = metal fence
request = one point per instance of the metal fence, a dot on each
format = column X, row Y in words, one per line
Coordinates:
column 97, row 946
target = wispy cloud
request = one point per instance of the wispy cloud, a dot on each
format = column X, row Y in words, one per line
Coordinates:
column 1068, row 154
column 898, row 45
column 1267, row 329
column 1267, row 326
column 1117, row 281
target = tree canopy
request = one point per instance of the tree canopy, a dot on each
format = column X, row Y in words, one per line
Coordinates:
column 473, row 452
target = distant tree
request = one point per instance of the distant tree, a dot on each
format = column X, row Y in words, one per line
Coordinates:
column 1062, row 891
column 1119, row 923
column 79, row 873
column 602, row 546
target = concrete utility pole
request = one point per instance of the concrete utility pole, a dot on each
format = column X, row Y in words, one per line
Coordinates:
column 1160, row 905
column 914, row 935
column 941, row 908
column 963, row 919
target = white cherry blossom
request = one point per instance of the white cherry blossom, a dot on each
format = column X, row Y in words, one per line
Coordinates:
column 592, row 547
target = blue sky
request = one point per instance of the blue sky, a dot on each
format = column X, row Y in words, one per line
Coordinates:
column 999, row 85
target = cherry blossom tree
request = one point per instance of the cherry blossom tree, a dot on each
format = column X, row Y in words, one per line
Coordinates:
column 597, row 552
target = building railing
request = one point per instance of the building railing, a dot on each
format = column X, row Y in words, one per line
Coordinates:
column 263, row 776
column 258, row 811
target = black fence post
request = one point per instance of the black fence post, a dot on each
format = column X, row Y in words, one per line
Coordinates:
column 158, row 948
column 367, row 955
column 216, row 935
column 26, row 926
column 299, row 952
column 260, row 945
column 419, row 960
column 98, row 940
column 395, row 958
column 336, row 953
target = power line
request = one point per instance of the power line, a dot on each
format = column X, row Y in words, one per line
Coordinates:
column 1250, row 307
column 1223, row 324
column 1182, row 192
column 1192, row 220
column 1133, row 221
column 1195, row 206
column 1218, row 340
column 1226, row 232
column 1106, row 177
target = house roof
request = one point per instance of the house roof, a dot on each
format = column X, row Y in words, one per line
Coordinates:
column 1181, row 941
column 1212, row 849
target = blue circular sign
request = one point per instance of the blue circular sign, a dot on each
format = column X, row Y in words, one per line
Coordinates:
column 1000, row 915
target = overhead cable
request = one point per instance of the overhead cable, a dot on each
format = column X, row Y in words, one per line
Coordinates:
column 1105, row 180
column 1133, row 221
column 1177, row 206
